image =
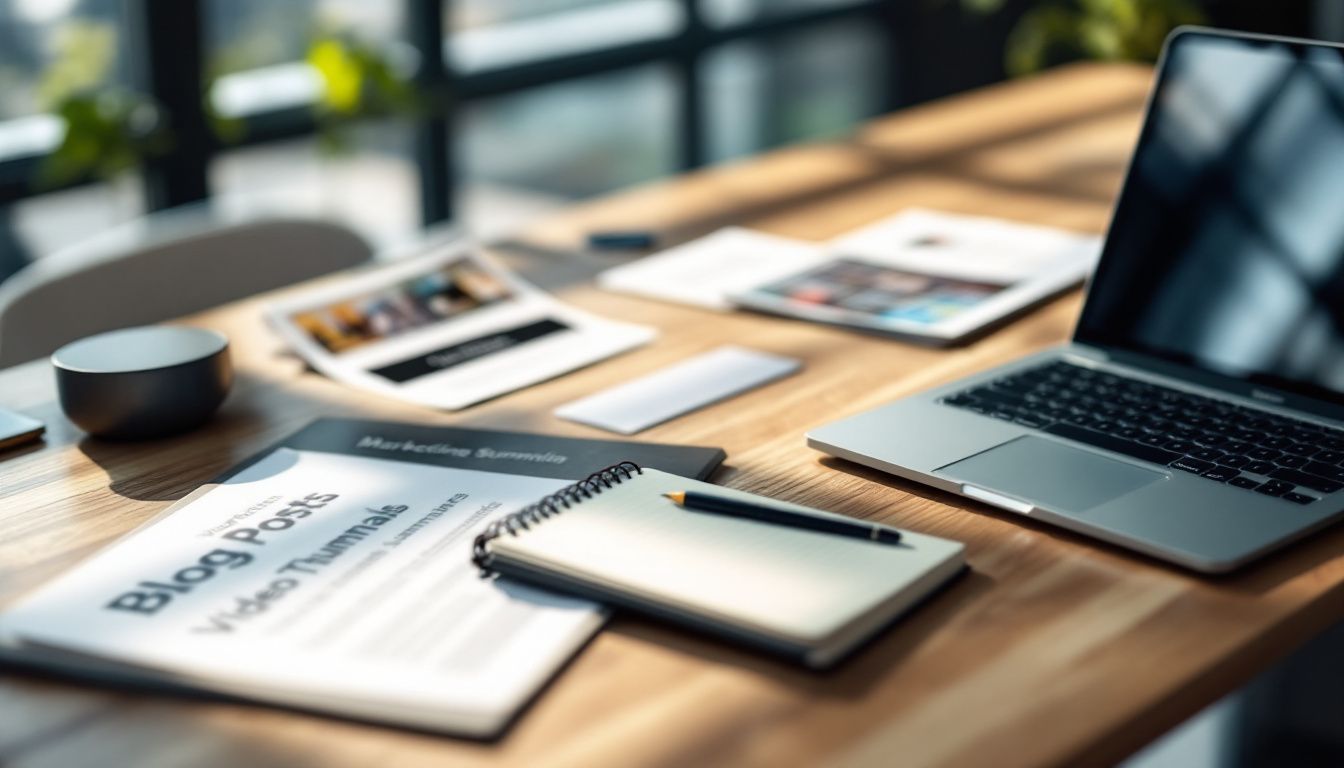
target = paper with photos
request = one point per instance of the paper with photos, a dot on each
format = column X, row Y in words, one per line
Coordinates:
column 930, row 276
column 447, row 330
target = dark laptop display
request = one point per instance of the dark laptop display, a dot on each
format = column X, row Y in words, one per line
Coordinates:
column 1227, row 249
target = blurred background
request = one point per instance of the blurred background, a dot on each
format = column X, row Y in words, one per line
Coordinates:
column 390, row 115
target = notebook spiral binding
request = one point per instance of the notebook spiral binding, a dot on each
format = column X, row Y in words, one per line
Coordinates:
column 550, row 506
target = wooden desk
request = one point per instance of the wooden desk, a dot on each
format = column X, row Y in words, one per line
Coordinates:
column 1055, row 651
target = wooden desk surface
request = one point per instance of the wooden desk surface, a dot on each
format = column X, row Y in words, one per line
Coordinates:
column 1054, row 651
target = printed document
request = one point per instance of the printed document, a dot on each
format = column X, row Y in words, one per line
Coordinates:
column 338, row 581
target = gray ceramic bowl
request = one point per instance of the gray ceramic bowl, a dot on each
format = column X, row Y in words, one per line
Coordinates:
column 143, row 382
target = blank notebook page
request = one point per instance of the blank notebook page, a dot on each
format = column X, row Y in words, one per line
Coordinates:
column 796, row 584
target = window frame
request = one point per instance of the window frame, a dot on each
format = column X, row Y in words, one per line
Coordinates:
column 166, row 39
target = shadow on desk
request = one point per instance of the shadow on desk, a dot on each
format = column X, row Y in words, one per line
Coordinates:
column 855, row 676
column 257, row 414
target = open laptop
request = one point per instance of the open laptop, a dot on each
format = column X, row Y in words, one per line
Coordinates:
column 1198, row 413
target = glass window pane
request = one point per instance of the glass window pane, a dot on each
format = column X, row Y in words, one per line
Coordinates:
column 726, row 13
column 247, row 34
column 36, row 226
column 255, row 49
column 574, row 139
column 813, row 84
column 489, row 34
column 373, row 187
column 49, row 49
column 55, row 45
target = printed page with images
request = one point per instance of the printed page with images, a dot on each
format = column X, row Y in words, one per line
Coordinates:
column 448, row 329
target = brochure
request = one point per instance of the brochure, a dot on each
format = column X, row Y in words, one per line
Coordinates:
column 446, row 330
column 333, row 573
column 921, row 275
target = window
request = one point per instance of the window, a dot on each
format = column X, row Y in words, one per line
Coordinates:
column 371, row 185
column 812, row 84
column 50, row 49
column 48, row 222
column 256, row 49
column 727, row 13
column 526, row 102
column 489, row 34
column 575, row 139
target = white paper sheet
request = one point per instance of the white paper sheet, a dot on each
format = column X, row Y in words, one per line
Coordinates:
column 705, row 272
column 329, row 582
column 966, row 247
column 678, row 389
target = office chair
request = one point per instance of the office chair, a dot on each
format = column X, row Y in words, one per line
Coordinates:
column 164, row 266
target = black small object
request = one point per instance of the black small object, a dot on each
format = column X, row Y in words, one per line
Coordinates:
column 721, row 505
column 622, row 241
column 140, row 383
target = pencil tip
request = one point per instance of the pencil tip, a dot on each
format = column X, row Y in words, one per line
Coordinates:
column 676, row 496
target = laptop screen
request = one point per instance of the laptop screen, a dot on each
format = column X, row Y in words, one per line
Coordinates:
column 1227, row 247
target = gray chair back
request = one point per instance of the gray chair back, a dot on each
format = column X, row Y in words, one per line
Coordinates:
column 140, row 275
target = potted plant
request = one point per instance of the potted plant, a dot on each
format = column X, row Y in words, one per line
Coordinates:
column 1108, row 30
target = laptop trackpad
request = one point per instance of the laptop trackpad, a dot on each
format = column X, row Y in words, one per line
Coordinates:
column 1050, row 474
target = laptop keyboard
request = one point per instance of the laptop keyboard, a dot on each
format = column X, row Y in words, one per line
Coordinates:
column 1253, row 450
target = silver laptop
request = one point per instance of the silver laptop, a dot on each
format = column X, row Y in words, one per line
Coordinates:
column 1198, row 413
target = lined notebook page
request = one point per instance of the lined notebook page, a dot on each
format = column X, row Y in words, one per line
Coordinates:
column 794, row 584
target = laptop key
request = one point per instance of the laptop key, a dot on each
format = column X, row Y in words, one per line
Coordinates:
column 1299, row 449
column 1297, row 498
column 1290, row 461
column 1117, row 444
column 1305, row 479
column 1209, row 440
column 1235, row 462
column 1275, row 488
column 1220, row 474
column 1187, row 464
column 996, row 398
column 1260, row 467
column 1329, row 457
column 1242, row 481
column 1324, row 470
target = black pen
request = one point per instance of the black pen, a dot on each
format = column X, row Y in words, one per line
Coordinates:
column 787, row 517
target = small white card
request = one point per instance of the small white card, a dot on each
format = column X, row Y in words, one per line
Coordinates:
column 705, row 272
column 678, row 389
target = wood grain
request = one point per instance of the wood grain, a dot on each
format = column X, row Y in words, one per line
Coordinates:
column 1054, row 651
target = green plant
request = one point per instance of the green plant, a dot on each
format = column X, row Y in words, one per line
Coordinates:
column 359, row 81
column 108, row 128
column 1110, row 30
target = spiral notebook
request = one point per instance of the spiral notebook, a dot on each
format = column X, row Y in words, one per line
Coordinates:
column 807, row 595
